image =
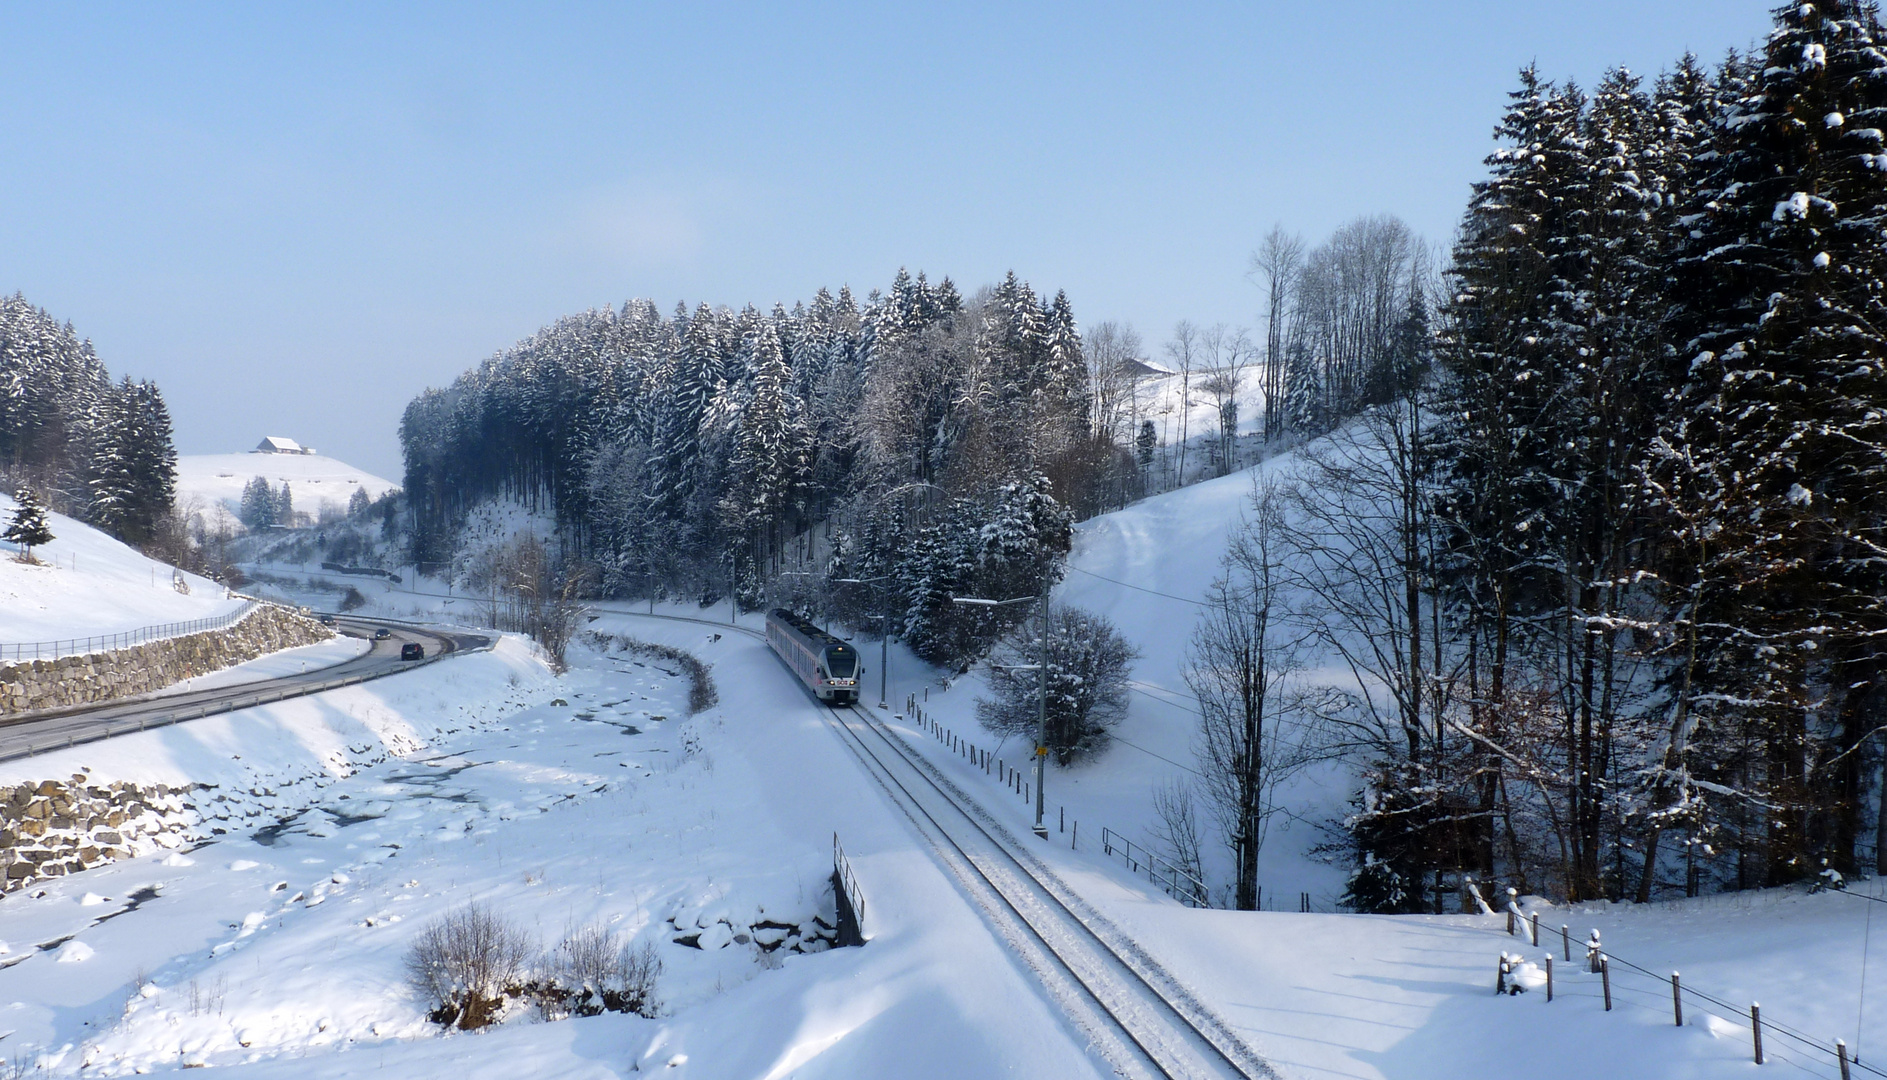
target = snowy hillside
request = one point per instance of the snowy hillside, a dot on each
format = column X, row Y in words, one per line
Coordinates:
column 314, row 480
column 91, row 584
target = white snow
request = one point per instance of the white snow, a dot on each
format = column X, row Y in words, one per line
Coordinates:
column 277, row 951
column 313, row 479
column 90, row 584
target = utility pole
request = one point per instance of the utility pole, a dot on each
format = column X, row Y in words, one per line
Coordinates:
column 1041, row 725
column 884, row 628
column 1041, row 702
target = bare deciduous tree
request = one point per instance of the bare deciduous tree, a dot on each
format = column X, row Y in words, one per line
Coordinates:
column 1183, row 350
column 1276, row 264
column 1252, row 734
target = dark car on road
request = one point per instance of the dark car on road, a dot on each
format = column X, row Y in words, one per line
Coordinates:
column 412, row 650
column 382, row 634
column 327, row 620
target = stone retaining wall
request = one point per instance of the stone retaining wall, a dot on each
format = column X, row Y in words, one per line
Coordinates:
column 141, row 669
column 51, row 828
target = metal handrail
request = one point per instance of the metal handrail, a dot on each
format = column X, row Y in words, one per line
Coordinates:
column 1177, row 883
column 15, row 652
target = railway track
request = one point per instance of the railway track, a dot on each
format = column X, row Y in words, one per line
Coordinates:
column 1141, row 1020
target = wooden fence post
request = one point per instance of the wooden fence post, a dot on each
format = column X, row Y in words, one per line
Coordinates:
column 1841, row 1054
column 1605, row 976
column 1756, row 1026
column 1677, row 1000
column 1592, row 952
column 1549, row 976
column 1533, row 925
column 1566, row 942
column 1500, row 976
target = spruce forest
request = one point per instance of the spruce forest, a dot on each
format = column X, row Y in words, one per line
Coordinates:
column 90, row 448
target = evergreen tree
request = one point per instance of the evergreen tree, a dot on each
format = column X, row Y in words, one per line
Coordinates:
column 773, row 451
column 358, row 503
column 28, row 527
column 257, row 509
column 1789, row 366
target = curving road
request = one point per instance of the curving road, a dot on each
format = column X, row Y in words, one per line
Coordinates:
column 50, row 729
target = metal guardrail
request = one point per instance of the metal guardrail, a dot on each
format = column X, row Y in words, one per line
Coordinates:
column 15, row 652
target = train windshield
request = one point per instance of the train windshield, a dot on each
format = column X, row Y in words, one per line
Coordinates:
column 841, row 662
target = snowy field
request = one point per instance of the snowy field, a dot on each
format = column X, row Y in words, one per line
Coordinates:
column 357, row 816
column 278, row 950
column 91, row 584
column 742, row 826
column 313, row 479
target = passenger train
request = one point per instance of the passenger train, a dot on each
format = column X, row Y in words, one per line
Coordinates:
column 828, row 666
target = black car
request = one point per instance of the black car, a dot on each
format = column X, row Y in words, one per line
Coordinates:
column 327, row 620
column 382, row 634
column 412, row 650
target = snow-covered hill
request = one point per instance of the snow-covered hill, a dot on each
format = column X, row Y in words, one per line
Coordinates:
column 313, row 479
column 89, row 583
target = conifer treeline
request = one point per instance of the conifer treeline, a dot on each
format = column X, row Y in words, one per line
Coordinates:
column 1658, row 516
column 947, row 443
column 93, row 449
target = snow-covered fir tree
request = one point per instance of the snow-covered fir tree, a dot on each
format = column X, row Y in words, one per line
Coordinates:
column 27, row 526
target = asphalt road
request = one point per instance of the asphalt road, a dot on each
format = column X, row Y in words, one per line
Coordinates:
column 50, row 729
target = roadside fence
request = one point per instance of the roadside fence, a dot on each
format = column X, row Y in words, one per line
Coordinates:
column 1648, row 987
column 52, row 650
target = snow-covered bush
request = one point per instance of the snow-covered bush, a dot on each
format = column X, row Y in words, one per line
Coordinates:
column 593, row 970
column 1088, row 661
column 467, row 963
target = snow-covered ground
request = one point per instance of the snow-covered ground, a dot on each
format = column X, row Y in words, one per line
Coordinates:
column 90, row 584
column 466, row 782
column 313, row 479
column 281, row 949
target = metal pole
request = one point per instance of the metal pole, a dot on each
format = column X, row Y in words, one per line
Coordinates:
column 1041, row 722
column 884, row 649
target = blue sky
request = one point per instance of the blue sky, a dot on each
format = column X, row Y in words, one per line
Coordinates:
column 296, row 217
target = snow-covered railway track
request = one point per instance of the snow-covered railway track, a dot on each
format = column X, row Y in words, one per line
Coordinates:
column 1140, row 1019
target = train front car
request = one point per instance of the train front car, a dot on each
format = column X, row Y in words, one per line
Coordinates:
column 841, row 668
column 829, row 667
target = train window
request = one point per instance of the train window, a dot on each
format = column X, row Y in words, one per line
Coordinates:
column 842, row 661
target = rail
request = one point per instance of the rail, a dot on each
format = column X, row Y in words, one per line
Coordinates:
column 18, row 651
column 1084, row 945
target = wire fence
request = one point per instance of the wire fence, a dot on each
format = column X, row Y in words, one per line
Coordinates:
column 1175, row 881
column 1602, row 962
column 20, row 651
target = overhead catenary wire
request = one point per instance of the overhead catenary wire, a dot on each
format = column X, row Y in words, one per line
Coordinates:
column 1139, row 588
